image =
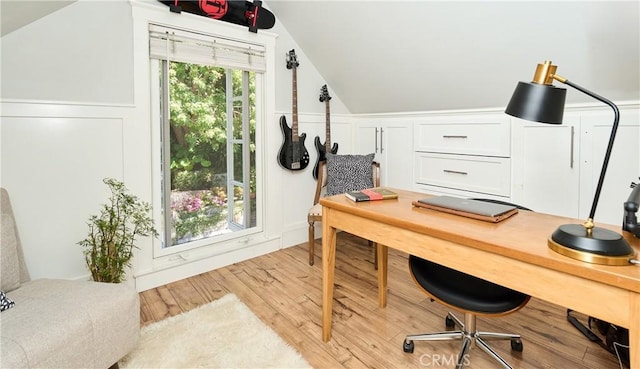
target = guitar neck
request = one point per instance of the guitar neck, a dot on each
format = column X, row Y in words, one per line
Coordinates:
column 327, row 110
column 294, row 112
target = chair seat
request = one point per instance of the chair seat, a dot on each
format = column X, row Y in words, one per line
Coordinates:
column 316, row 210
column 464, row 291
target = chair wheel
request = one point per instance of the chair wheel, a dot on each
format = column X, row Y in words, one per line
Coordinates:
column 408, row 346
column 516, row 345
column 449, row 323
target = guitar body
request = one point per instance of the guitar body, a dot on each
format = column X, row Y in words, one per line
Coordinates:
column 292, row 155
column 322, row 154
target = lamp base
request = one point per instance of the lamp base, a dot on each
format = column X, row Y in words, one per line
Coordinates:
column 602, row 246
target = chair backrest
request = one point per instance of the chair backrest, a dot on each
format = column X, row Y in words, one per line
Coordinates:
column 321, row 184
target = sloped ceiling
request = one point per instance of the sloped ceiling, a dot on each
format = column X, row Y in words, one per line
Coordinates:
column 393, row 56
column 17, row 13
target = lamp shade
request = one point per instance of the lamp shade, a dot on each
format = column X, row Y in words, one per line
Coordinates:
column 537, row 102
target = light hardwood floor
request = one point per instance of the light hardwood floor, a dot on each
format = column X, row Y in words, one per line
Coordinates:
column 286, row 293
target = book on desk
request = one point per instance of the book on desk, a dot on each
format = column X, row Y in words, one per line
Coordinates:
column 371, row 194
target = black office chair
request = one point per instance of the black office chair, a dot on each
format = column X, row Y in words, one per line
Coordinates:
column 472, row 295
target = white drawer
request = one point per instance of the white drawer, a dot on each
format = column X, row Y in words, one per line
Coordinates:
column 488, row 175
column 472, row 135
column 443, row 191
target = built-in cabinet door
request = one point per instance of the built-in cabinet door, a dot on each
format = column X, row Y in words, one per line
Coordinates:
column 545, row 166
column 623, row 168
column 556, row 168
column 367, row 140
column 398, row 153
column 392, row 145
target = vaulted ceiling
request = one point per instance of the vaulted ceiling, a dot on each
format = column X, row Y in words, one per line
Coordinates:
column 391, row 56
column 17, row 13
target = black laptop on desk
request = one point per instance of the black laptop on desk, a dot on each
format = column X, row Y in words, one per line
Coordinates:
column 482, row 210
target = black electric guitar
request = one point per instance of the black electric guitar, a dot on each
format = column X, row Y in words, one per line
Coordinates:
column 323, row 149
column 293, row 155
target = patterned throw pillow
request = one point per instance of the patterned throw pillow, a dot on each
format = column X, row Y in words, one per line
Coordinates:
column 348, row 173
column 5, row 302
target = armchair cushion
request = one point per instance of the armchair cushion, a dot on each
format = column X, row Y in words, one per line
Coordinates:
column 348, row 173
column 9, row 264
column 59, row 323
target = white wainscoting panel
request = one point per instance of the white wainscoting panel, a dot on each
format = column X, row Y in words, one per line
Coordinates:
column 52, row 167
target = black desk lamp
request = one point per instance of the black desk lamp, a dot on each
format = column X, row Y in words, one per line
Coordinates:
column 542, row 102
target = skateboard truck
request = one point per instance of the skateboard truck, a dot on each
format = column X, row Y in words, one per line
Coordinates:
column 252, row 16
column 175, row 8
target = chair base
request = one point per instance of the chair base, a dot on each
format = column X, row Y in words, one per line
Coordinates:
column 468, row 334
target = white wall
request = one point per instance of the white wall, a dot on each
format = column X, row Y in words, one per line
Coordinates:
column 82, row 53
column 75, row 109
column 52, row 166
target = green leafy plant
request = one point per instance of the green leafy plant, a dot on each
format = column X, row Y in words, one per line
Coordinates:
column 109, row 245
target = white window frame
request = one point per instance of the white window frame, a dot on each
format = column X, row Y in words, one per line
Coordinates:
column 222, row 243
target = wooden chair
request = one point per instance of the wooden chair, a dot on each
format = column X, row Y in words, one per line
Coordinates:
column 315, row 213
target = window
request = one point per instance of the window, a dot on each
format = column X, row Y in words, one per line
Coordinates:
column 206, row 90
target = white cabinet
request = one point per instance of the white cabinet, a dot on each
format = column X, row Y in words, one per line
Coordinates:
column 478, row 135
column 464, row 155
column 556, row 167
column 546, row 166
column 482, row 174
column 391, row 143
column 624, row 164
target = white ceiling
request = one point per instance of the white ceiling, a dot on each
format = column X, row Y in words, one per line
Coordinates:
column 392, row 56
column 17, row 13
column 389, row 56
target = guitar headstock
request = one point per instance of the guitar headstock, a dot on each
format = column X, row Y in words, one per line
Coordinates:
column 324, row 94
column 292, row 59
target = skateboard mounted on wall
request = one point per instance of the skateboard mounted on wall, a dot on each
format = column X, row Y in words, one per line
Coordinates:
column 244, row 13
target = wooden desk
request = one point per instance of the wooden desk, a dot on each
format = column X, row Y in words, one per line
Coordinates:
column 512, row 253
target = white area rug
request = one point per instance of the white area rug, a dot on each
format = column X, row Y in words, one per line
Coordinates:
column 221, row 334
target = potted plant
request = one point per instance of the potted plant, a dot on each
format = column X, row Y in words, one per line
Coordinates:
column 109, row 245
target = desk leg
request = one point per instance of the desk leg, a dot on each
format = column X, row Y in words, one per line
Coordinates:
column 328, row 272
column 634, row 331
column 383, row 258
